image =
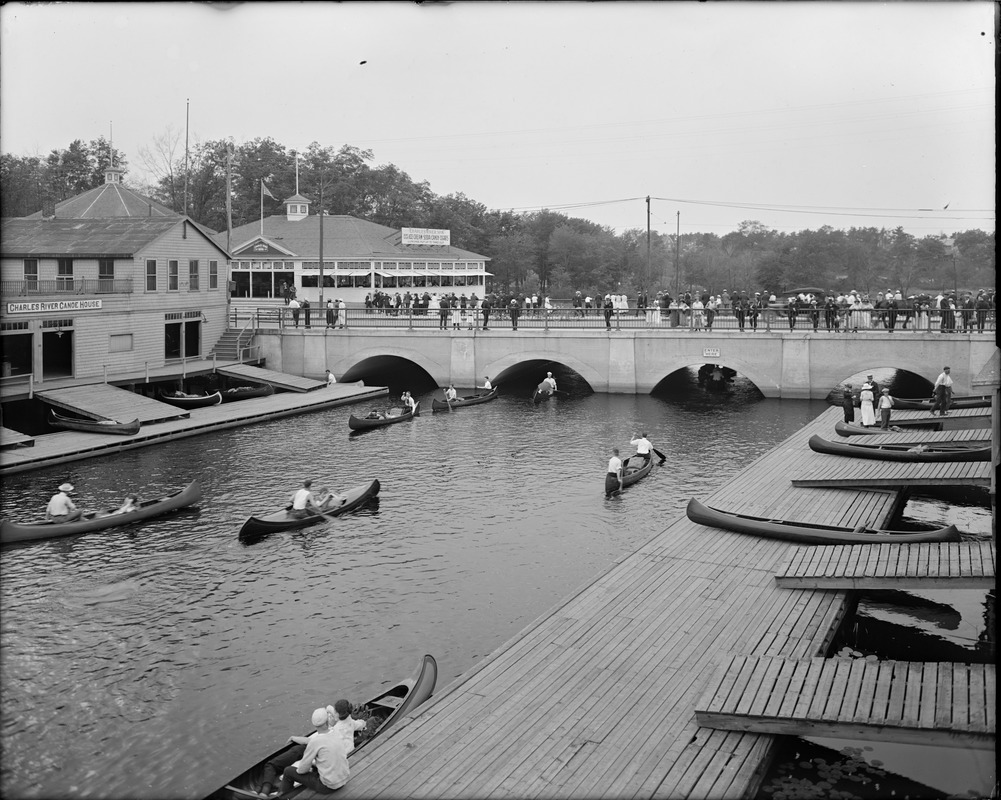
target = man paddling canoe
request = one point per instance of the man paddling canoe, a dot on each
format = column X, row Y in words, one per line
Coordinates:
column 61, row 508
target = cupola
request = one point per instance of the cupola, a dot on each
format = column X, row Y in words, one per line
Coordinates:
column 296, row 207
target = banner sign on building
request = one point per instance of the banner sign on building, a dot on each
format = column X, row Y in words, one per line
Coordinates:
column 425, row 236
column 55, row 305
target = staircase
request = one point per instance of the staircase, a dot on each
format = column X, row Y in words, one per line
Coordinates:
column 228, row 346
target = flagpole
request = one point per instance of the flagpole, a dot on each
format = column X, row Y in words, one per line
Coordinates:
column 262, row 207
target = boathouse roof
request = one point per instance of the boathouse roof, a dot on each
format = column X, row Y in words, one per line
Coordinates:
column 109, row 200
column 344, row 237
column 120, row 237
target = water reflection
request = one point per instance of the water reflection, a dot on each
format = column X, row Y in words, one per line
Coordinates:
column 173, row 645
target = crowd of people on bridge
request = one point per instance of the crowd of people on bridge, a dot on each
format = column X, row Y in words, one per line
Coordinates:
column 841, row 312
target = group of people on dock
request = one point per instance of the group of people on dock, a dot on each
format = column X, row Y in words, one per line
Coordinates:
column 872, row 398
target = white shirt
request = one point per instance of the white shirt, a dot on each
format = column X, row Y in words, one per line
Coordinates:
column 345, row 729
column 487, row 384
column 450, row 393
column 943, row 380
column 642, row 445
column 300, row 498
column 614, row 465
column 60, row 505
column 326, row 750
column 331, row 380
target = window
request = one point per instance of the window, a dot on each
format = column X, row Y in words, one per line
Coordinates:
column 31, row 273
column 213, row 274
column 171, row 276
column 120, row 343
column 105, row 274
column 64, row 274
column 150, row 274
column 193, row 274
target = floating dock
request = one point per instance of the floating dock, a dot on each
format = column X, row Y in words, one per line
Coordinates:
column 599, row 696
column 68, row 446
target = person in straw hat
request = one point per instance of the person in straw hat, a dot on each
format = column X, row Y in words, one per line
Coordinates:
column 61, row 508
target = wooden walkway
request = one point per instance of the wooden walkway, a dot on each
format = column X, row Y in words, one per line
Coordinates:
column 9, row 438
column 280, row 380
column 68, row 446
column 944, row 704
column 841, row 471
column 103, row 401
column 597, row 697
column 933, row 565
column 917, row 436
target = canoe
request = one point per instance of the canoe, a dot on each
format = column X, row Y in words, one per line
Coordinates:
column 94, row 425
column 462, row 402
column 182, row 400
column 387, row 708
column 282, row 520
column 961, row 401
column 808, row 533
column 11, row 531
column 542, row 392
column 246, row 392
column 634, row 470
column 931, row 452
column 844, row 429
column 383, row 418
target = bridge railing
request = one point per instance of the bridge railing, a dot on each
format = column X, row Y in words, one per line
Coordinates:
column 764, row 320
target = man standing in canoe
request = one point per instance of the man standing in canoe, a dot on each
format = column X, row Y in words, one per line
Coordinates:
column 613, row 478
column 643, row 446
column 550, row 381
column 60, row 507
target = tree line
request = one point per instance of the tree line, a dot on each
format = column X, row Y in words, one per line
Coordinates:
column 543, row 251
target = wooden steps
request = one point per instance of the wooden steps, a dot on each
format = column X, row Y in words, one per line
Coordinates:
column 934, row 703
column 932, row 565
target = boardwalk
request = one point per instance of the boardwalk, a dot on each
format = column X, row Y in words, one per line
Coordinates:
column 943, row 704
column 597, row 697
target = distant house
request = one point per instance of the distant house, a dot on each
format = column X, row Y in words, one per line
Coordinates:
column 359, row 258
column 112, row 280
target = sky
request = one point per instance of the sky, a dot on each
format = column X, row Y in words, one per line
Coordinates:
column 793, row 114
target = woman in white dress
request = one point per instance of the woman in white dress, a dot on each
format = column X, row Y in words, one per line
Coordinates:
column 866, row 406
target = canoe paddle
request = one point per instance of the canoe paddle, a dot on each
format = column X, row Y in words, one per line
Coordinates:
column 660, row 455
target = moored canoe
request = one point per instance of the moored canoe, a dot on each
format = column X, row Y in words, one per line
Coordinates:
column 94, row 425
column 246, row 392
column 808, row 533
column 922, row 453
column 182, row 400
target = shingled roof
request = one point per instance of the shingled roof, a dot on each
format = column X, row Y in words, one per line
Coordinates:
column 108, row 201
column 122, row 237
column 347, row 237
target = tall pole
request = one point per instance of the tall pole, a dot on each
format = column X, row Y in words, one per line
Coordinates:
column 187, row 114
column 321, row 231
column 677, row 260
column 649, row 272
column 229, row 195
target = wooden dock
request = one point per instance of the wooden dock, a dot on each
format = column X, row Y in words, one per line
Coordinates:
column 103, row 401
column 597, row 697
column 943, row 704
column 68, row 446
column 10, row 439
column 841, row 471
column 931, row 565
column 280, row 380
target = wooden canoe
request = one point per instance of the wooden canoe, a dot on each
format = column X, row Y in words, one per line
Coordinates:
column 957, row 401
column 845, row 429
column 384, row 418
column 633, row 470
column 386, row 709
column 11, row 531
column 246, row 392
column 282, row 519
column 930, row 452
column 462, row 402
column 808, row 533
column 182, row 400
column 542, row 392
column 94, row 425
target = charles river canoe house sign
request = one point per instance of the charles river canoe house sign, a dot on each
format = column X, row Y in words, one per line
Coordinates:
column 54, row 305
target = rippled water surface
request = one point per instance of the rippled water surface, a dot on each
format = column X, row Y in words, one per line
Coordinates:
column 161, row 659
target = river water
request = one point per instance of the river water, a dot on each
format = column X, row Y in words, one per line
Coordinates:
column 161, row 659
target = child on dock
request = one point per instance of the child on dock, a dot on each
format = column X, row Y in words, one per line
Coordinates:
column 885, row 404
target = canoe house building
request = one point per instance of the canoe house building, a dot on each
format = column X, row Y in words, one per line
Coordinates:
column 111, row 282
column 359, row 258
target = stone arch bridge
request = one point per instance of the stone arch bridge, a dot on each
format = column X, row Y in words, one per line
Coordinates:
column 798, row 365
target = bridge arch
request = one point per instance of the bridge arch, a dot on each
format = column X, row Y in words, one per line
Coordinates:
column 595, row 379
column 438, row 372
column 767, row 382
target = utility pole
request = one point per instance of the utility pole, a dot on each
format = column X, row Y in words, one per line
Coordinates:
column 649, row 271
column 187, row 114
column 677, row 260
column 321, row 227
